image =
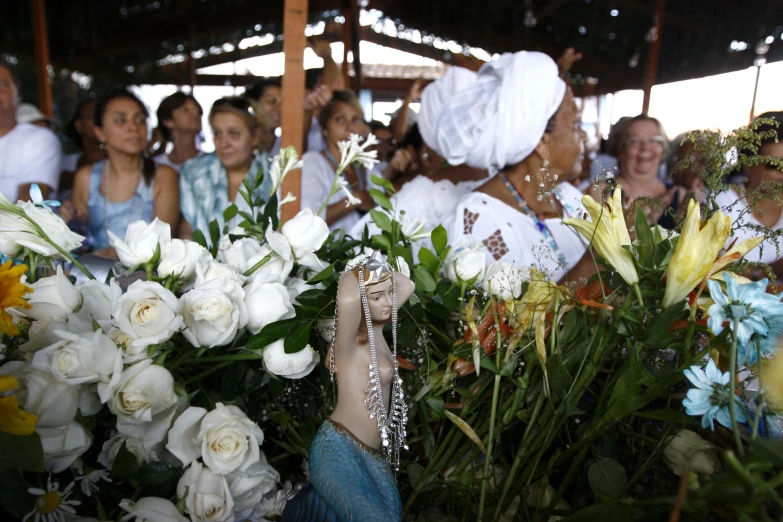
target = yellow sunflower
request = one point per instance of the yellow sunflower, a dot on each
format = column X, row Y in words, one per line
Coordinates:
column 14, row 420
column 12, row 292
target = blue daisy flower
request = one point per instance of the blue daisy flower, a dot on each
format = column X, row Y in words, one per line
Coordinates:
column 711, row 396
column 749, row 302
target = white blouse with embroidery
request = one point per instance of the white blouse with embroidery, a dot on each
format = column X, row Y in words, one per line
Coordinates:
column 510, row 236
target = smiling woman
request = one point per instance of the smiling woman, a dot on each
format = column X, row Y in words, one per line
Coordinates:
column 127, row 186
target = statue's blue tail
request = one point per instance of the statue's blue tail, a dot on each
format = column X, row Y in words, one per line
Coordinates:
column 308, row 506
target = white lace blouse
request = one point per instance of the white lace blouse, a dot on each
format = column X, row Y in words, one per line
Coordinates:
column 506, row 234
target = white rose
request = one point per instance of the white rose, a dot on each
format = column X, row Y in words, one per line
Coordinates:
column 503, row 281
column 53, row 298
column 208, row 269
column 141, row 242
column 98, row 300
column 213, row 313
column 249, row 487
column 225, row 438
column 81, row 359
column 151, row 509
column 16, row 232
column 305, row 232
column 310, row 261
column 266, row 303
column 402, row 267
column 42, row 334
column 296, row 286
column 136, row 446
column 53, row 402
column 144, row 402
column 207, row 498
column 63, row 445
column 290, row 365
column 238, row 253
column 465, row 266
column 179, row 258
column 147, row 312
column 130, row 353
column 688, row 451
column 275, row 268
column 89, row 402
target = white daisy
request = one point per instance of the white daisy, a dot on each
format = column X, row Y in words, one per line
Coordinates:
column 52, row 505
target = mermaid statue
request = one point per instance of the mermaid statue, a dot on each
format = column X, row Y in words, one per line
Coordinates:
column 356, row 451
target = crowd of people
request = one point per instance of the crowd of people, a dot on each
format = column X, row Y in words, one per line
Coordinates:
column 498, row 157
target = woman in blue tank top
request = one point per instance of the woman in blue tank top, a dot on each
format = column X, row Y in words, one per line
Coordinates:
column 126, row 186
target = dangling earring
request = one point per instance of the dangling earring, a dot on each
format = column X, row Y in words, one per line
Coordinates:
column 546, row 165
column 103, row 146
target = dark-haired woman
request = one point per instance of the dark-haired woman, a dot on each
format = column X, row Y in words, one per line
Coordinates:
column 210, row 183
column 126, row 186
column 340, row 118
column 81, row 131
column 179, row 122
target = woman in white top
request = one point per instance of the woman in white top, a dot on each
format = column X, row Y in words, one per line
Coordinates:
column 520, row 118
column 766, row 213
column 340, row 118
column 179, row 122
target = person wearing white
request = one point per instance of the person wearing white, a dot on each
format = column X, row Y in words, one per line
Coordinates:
column 28, row 153
column 518, row 117
column 340, row 118
column 179, row 123
column 736, row 207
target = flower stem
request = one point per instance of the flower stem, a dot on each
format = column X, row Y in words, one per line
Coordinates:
column 67, row 255
column 258, row 265
column 492, row 418
column 732, row 377
column 251, row 356
column 638, row 294
column 209, row 372
column 759, row 403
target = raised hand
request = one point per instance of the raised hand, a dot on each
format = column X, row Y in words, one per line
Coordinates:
column 567, row 60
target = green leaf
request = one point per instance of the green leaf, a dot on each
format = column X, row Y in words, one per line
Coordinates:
column 381, row 241
column 230, row 212
column 125, row 464
column 488, row 364
column 156, row 473
column 198, row 237
column 381, row 220
column 381, row 200
column 23, row 452
column 296, row 341
column 383, row 182
column 645, row 238
column 439, row 240
column 609, row 512
column 270, row 212
column 435, row 402
column 271, row 333
column 428, row 259
column 668, row 415
column 424, row 280
column 324, row 274
column 659, row 328
column 13, row 493
column 214, row 232
column 607, row 477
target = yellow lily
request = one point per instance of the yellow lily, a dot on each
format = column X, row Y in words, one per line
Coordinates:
column 608, row 234
column 14, row 420
column 695, row 253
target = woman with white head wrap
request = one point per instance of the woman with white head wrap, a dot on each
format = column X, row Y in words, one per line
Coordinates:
column 518, row 117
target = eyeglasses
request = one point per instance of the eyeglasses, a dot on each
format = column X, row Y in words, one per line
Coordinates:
column 638, row 141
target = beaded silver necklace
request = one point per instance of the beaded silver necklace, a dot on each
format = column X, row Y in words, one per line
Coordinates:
column 392, row 422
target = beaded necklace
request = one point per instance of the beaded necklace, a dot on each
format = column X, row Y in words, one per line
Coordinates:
column 540, row 223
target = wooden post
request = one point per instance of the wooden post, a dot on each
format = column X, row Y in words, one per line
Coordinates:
column 347, row 41
column 294, row 43
column 41, row 43
column 653, row 54
column 192, row 61
column 356, row 40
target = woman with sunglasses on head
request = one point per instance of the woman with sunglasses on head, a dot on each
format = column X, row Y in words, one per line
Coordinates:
column 179, row 123
column 126, row 186
column 210, row 183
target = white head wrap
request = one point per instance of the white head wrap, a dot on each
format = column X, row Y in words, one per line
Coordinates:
column 435, row 97
column 498, row 119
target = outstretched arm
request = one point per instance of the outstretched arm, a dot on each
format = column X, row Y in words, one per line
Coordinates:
column 349, row 311
column 405, row 288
